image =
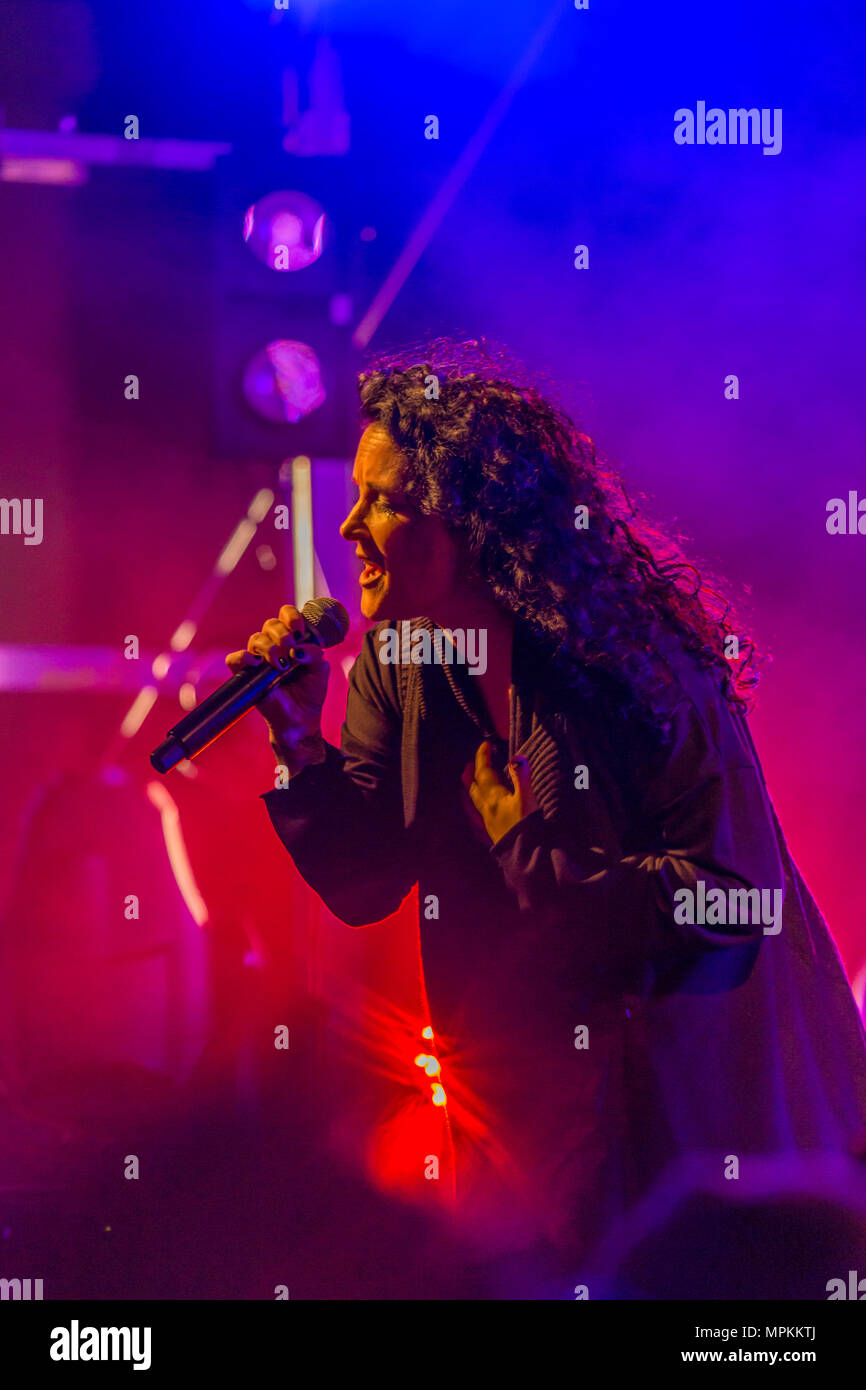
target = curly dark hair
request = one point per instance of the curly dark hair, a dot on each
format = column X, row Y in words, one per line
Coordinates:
column 508, row 469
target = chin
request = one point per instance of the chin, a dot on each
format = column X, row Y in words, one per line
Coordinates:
column 376, row 606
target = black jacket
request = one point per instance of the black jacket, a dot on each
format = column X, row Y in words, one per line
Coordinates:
column 591, row 1036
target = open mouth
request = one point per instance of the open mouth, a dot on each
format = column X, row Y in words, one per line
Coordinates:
column 370, row 574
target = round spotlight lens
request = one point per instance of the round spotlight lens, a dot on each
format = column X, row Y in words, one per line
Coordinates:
column 285, row 230
column 284, row 381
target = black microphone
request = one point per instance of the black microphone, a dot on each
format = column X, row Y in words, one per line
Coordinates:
column 328, row 623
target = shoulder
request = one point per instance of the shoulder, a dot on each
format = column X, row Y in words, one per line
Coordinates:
column 700, row 736
column 373, row 676
column 700, row 711
column 706, row 743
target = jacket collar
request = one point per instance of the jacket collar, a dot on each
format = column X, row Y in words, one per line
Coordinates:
column 534, row 726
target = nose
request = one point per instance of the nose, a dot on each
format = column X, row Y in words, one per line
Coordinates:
column 352, row 527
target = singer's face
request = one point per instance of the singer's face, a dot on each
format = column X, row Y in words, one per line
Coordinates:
column 409, row 561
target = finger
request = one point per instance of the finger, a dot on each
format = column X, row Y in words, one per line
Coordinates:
column 281, row 640
column 484, row 773
column 274, row 629
column 258, row 644
column 237, row 661
column 521, row 779
column 294, row 621
column 476, row 796
column 518, row 769
column 274, row 652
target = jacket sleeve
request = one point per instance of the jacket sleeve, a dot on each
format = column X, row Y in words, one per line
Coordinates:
column 707, row 816
column 342, row 820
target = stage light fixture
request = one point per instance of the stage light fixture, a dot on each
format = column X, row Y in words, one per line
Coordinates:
column 283, row 382
column 285, row 230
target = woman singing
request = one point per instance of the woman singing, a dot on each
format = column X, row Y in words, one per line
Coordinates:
column 622, row 962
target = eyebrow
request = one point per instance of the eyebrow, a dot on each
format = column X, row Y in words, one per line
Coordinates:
column 383, row 487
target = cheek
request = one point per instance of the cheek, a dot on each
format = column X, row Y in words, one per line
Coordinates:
column 401, row 545
column 419, row 550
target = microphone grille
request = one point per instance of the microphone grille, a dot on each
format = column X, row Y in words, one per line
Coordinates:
column 328, row 619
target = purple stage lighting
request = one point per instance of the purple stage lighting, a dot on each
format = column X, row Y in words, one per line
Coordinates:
column 284, row 381
column 285, row 230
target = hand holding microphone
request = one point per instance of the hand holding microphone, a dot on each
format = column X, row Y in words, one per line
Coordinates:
column 284, row 674
column 293, row 709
